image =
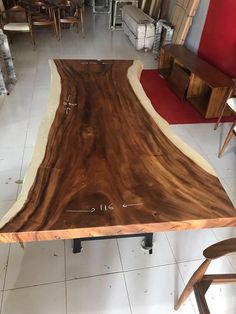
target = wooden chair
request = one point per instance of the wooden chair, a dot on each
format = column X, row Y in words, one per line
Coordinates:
column 232, row 93
column 72, row 13
column 16, row 20
column 231, row 104
column 43, row 14
column 199, row 282
column 229, row 136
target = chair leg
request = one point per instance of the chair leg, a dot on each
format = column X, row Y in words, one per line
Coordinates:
column 32, row 38
column 227, row 140
column 220, row 117
column 199, row 292
column 9, row 37
column 59, row 30
column 82, row 21
column 197, row 276
column 55, row 24
column 51, row 14
column 59, row 23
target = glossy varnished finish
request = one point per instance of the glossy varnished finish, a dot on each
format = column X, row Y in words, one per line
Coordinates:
column 199, row 282
column 208, row 87
column 220, row 249
column 208, row 73
column 108, row 168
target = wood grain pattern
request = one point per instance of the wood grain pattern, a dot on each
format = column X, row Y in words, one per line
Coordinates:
column 109, row 169
column 220, row 249
column 199, row 282
column 208, row 73
column 208, row 88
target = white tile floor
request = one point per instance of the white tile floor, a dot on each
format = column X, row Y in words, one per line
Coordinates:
column 109, row 276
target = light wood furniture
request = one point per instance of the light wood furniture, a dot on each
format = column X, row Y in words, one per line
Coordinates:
column 229, row 103
column 199, row 282
column 178, row 81
column 16, row 20
column 181, row 18
column 229, row 136
column 208, row 87
column 106, row 164
column 70, row 13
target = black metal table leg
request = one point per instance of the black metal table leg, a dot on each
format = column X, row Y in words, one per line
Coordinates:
column 147, row 243
column 76, row 246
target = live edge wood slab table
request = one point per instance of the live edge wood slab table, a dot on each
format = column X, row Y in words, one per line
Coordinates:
column 106, row 164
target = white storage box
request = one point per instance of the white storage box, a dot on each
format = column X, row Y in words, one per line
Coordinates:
column 139, row 27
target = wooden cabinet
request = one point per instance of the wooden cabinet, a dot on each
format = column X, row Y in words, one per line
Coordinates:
column 208, row 87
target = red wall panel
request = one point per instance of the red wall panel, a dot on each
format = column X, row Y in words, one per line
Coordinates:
column 218, row 40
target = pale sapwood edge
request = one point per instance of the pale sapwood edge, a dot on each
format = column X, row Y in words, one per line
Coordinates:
column 134, row 73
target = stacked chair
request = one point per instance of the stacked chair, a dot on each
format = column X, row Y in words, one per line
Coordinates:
column 31, row 14
column 43, row 15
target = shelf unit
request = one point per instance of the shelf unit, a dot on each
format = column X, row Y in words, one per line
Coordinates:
column 208, row 87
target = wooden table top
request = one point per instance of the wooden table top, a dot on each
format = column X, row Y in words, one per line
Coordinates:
column 207, row 72
column 105, row 163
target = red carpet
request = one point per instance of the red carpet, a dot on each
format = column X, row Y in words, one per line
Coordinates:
column 169, row 106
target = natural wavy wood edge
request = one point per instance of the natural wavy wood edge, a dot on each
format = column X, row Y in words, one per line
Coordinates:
column 66, row 234
column 40, row 145
column 133, row 75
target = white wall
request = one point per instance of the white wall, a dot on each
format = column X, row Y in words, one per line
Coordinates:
column 193, row 38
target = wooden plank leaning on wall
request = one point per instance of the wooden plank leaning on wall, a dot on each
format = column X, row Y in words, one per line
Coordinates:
column 181, row 18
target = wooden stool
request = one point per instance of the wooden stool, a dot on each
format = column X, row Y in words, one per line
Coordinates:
column 200, row 282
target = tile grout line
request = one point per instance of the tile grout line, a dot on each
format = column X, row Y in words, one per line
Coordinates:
column 36, row 285
column 4, row 283
column 179, row 272
column 183, row 288
column 28, row 122
column 126, row 287
column 65, row 276
column 170, row 248
column 157, row 266
column 98, row 275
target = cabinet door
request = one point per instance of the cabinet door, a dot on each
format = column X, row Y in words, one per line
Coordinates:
column 216, row 102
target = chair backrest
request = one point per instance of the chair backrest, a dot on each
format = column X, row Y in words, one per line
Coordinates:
column 37, row 3
column 78, row 3
column 71, row 3
column 40, row 9
column 68, row 9
column 16, row 14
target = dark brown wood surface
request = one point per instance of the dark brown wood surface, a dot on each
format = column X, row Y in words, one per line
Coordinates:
column 208, row 88
column 108, row 169
column 208, row 73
